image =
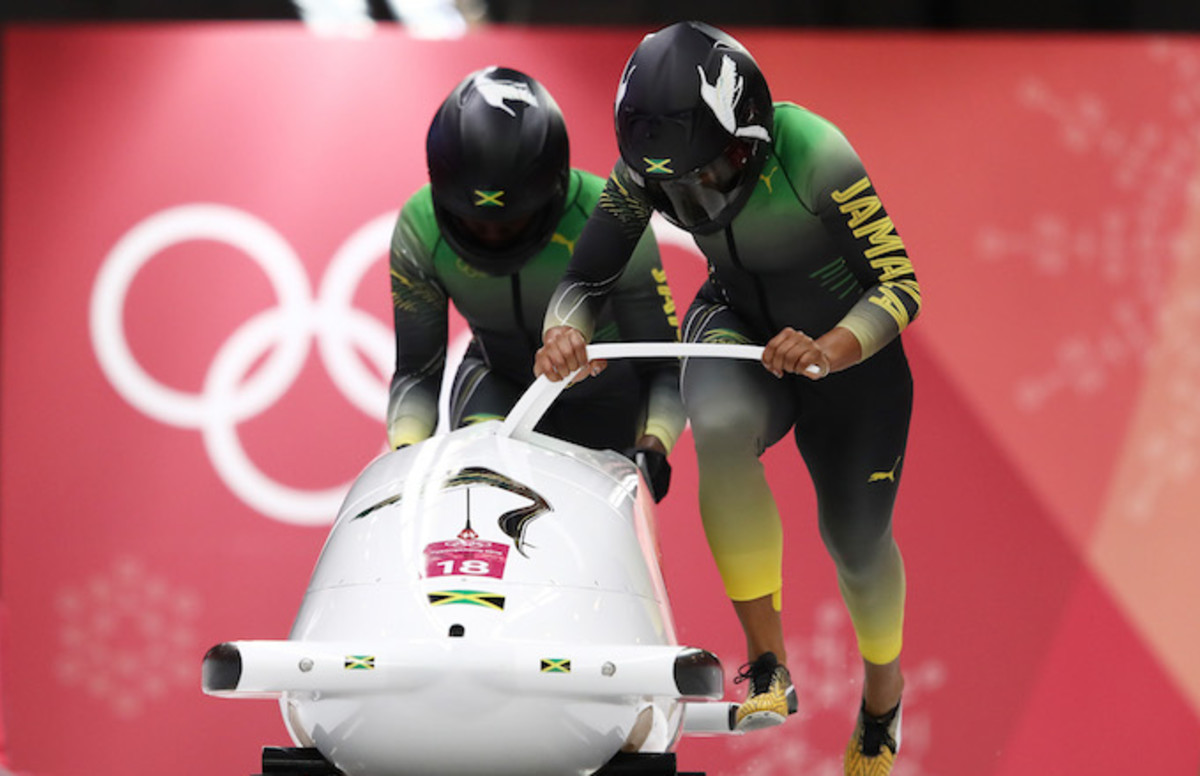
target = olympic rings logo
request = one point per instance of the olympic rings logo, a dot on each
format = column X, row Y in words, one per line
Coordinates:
column 279, row 337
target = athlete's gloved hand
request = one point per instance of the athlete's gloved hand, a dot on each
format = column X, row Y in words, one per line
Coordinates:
column 655, row 469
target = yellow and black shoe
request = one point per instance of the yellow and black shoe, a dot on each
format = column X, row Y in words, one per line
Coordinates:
column 771, row 697
column 873, row 747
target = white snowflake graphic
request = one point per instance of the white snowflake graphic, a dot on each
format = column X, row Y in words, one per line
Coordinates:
column 1153, row 163
column 1130, row 245
column 126, row 637
column 1169, row 453
column 827, row 672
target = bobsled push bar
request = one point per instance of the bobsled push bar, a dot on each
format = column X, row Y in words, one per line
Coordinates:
column 539, row 396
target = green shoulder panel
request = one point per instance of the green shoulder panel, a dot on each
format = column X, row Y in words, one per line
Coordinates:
column 417, row 231
column 584, row 189
column 414, row 280
column 830, row 180
column 817, row 157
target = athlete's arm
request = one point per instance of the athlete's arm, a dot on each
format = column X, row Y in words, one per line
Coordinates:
column 842, row 195
column 419, row 309
column 645, row 312
column 604, row 248
column 876, row 255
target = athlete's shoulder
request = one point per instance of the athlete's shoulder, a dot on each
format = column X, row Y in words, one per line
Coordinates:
column 586, row 180
column 584, row 189
column 804, row 134
column 417, row 233
column 417, row 214
column 814, row 154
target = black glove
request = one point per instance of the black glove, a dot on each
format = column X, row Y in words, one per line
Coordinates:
column 655, row 469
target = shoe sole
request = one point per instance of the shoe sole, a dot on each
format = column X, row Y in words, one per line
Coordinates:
column 759, row 720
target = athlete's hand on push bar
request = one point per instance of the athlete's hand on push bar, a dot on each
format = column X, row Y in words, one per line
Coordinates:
column 563, row 351
column 795, row 352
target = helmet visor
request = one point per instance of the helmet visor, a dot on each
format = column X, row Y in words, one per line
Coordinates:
column 499, row 247
column 708, row 197
column 498, row 236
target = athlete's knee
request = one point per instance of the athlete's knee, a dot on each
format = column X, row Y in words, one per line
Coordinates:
column 858, row 547
column 477, row 417
column 726, row 425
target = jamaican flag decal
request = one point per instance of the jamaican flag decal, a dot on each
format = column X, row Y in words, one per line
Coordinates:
column 470, row 597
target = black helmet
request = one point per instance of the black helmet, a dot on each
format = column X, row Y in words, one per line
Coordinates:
column 694, row 121
column 499, row 167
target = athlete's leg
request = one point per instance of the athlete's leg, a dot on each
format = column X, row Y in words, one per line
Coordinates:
column 852, row 433
column 737, row 409
column 882, row 686
column 763, row 627
column 602, row 412
column 478, row 393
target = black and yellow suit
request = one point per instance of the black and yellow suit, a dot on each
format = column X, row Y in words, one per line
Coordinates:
column 813, row 248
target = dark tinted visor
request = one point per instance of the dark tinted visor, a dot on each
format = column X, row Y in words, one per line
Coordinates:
column 495, row 235
column 706, row 197
column 499, row 247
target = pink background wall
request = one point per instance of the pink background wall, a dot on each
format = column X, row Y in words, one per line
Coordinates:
column 1046, row 186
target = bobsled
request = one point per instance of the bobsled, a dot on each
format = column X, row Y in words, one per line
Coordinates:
column 488, row 601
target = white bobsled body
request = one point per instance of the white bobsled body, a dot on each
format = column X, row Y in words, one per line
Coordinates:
column 487, row 601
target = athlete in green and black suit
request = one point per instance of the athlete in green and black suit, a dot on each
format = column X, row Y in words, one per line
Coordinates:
column 803, row 259
column 492, row 232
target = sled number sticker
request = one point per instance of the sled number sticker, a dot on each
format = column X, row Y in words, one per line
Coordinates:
column 472, row 557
